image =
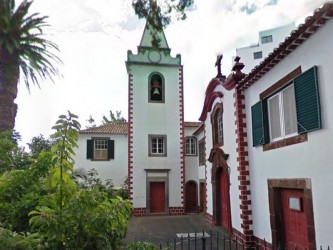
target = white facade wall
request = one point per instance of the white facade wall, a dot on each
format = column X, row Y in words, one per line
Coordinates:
column 246, row 53
column 312, row 159
column 115, row 169
column 191, row 162
column 209, row 143
column 229, row 147
column 160, row 119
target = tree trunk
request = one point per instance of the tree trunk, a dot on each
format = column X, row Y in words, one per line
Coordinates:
column 9, row 76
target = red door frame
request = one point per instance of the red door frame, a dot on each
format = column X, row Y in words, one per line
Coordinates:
column 223, row 211
column 157, row 197
column 191, row 197
column 294, row 219
column 275, row 208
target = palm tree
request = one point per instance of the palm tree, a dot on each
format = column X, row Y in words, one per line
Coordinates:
column 22, row 50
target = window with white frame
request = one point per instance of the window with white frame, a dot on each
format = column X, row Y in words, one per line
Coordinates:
column 217, row 125
column 220, row 126
column 286, row 109
column 282, row 114
column 157, row 145
column 190, row 146
column 100, row 149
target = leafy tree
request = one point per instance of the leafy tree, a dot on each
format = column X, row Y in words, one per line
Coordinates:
column 91, row 121
column 21, row 191
column 158, row 13
column 74, row 216
column 22, row 48
column 113, row 118
column 11, row 155
column 39, row 144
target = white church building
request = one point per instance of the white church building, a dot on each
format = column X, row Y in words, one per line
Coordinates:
column 259, row 160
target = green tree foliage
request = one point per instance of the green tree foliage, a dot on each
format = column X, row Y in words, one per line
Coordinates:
column 21, row 191
column 43, row 207
column 158, row 13
column 39, row 144
column 11, row 155
column 22, row 49
column 113, row 118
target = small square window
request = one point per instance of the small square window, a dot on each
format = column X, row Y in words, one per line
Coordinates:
column 190, row 146
column 257, row 55
column 157, row 145
column 267, row 39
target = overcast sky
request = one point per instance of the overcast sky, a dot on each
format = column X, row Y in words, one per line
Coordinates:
column 94, row 36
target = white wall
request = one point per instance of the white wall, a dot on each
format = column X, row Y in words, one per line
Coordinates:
column 312, row 159
column 229, row 147
column 246, row 53
column 160, row 119
column 115, row 169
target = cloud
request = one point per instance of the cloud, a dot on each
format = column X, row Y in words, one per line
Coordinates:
column 94, row 36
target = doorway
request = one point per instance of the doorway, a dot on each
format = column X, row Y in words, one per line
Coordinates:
column 191, row 197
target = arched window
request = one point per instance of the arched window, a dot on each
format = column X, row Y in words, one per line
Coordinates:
column 217, row 125
column 156, row 88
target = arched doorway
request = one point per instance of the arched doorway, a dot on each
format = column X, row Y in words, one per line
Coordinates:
column 191, row 197
column 223, row 211
column 221, row 186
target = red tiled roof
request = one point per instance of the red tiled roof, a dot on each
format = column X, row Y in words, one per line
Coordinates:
column 121, row 128
column 297, row 37
column 192, row 124
column 114, row 128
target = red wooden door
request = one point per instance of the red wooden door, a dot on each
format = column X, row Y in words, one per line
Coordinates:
column 202, row 197
column 191, row 197
column 224, row 199
column 294, row 219
column 157, row 197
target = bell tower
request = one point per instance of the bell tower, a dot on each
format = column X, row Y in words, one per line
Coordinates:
column 156, row 167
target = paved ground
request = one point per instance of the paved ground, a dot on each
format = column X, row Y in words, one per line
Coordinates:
column 163, row 229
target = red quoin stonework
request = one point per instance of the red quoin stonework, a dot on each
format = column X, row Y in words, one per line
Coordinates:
column 182, row 148
column 130, row 136
column 243, row 172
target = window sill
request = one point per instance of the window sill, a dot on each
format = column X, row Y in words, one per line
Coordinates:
column 286, row 142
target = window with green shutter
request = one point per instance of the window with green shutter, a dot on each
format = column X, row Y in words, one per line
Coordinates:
column 293, row 109
column 100, row 149
column 258, row 124
column 307, row 101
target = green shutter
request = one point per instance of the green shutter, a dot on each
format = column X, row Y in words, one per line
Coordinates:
column 307, row 101
column 259, row 133
column 90, row 149
column 110, row 149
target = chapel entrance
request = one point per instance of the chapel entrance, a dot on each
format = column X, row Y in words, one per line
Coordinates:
column 191, row 197
column 157, row 197
column 223, row 206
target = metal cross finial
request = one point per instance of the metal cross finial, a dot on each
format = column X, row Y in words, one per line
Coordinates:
column 218, row 65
